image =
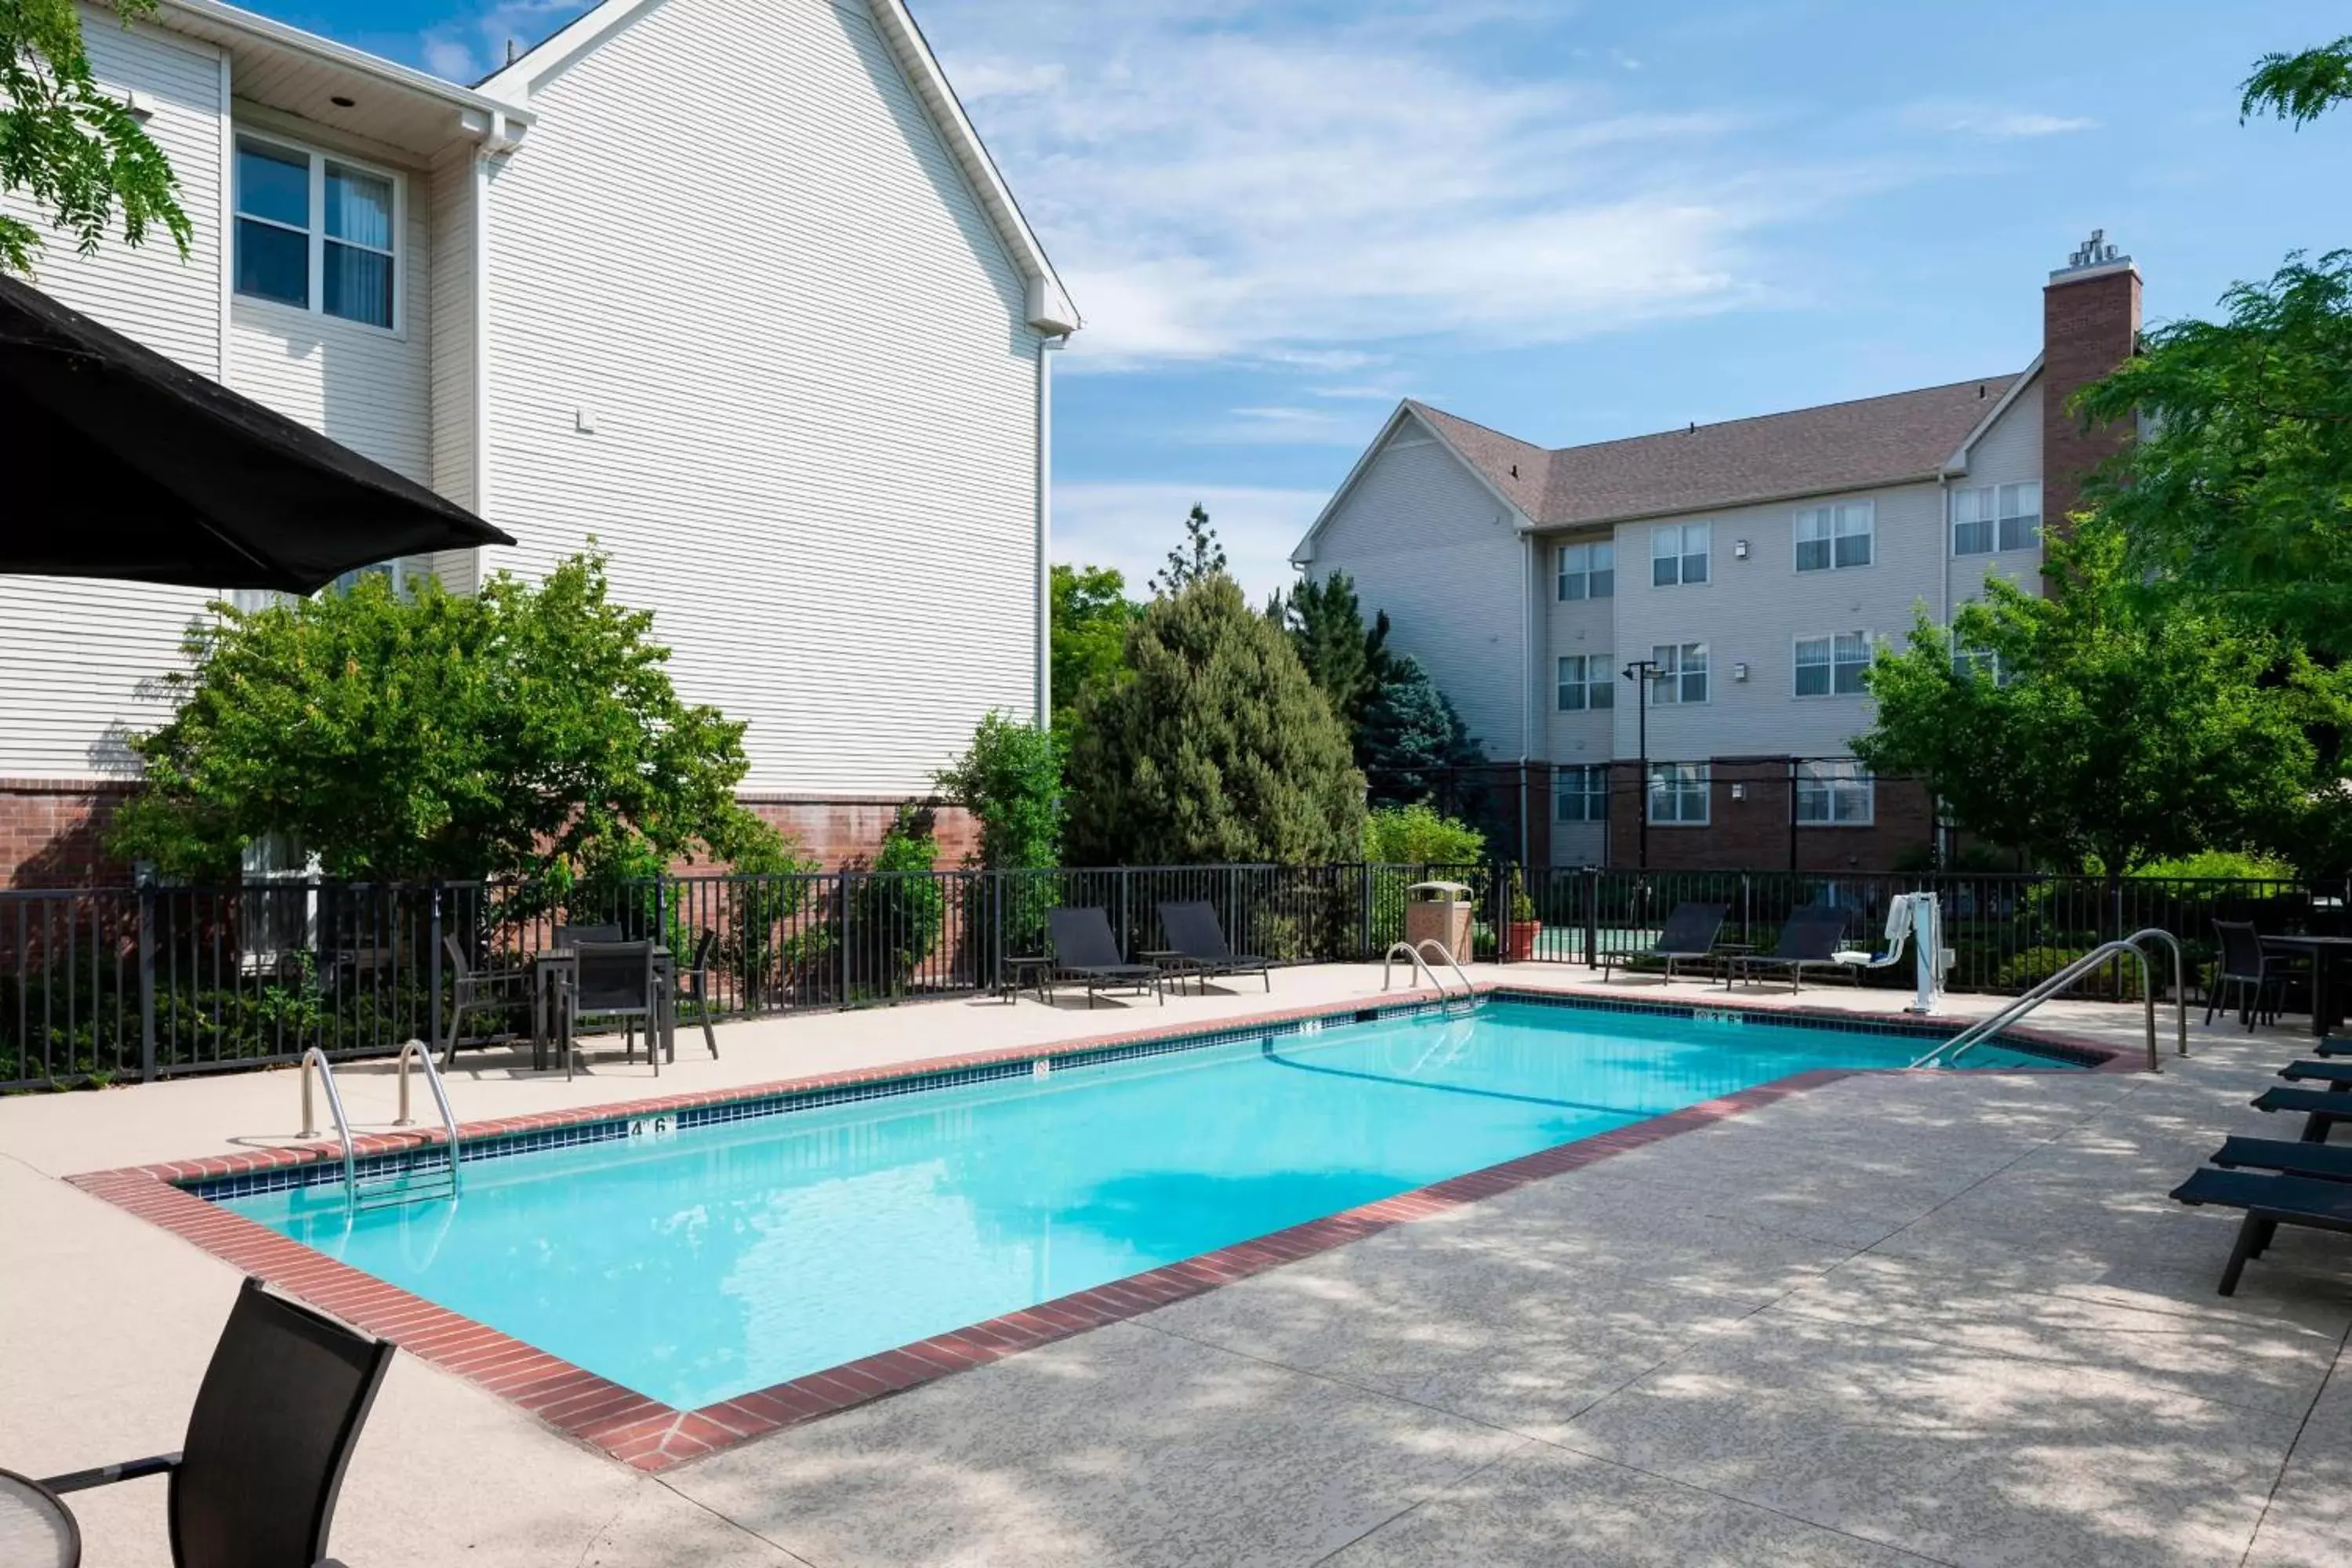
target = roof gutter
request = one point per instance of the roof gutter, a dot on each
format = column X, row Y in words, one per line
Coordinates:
column 1931, row 476
column 264, row 29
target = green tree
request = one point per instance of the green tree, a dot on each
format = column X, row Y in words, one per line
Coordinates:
column 79, row 153
column 2110, row 735
column 1091, row 613
column 2239, row 495
column 1417, row 835
column 531, row 731
column 1347, row 661
column 1198, row 556
column 896, row 909
column 1410, row 736
column 1217, row 748
column 1011, row 780
column 2300, row 88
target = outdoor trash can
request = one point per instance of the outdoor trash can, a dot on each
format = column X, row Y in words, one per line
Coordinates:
column 1439, row 911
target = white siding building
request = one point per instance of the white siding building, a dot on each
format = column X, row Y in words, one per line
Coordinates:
column 729, row 287
column 1755, row 566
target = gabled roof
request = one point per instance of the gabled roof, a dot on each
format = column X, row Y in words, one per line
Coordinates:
column 1049, row 306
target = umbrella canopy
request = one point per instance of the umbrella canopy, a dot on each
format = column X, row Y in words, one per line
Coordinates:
column 129, row 465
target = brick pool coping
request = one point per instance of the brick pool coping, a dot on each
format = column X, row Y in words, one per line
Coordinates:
column 652, row 1435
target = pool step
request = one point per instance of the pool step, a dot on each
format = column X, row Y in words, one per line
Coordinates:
column 411, row 1184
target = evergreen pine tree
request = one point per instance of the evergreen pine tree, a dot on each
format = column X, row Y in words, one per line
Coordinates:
column 1411, row 738
column 1217, row 748
column 1348, row 662
column 1198, row 556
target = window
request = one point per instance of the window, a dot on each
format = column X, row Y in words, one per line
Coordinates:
column 1585, row 681
column 1587, row 572
column 1678, row 794
column 396, row 572
column 1834, row 795
column 1678, row 552
column 1991, row 517
column 1833, row 536
column 1681, row 674
column 1968, row 661
column 1580, row 795
column 315, row 233
column 1832, row 666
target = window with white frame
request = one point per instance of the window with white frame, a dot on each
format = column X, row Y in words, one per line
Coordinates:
column 315, row 232
column 1678, row 794
column 1580, row 795
column 1836, row 792
column 1681, row 675
column 1678, row 552
column 1585, row 682
column 1969, row 662
column 1829, row 537
column 1588, row 572
column 395, row 573
column 1996, row 516
column 1832, row 666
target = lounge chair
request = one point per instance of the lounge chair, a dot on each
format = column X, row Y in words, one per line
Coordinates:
column 2334, row 1046
column 1193, row 934
column 2327, row 1161
column 1084, row 951
column 2269, row 1202
column 1809, row 936
column 2321, row 1108
column 274, row 1422
column 2334, row 1075
column 1690, row 933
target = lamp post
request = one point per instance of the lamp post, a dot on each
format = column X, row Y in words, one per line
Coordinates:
column 1642, row 672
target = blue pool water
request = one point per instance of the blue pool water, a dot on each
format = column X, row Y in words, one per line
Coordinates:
column 739, row 1254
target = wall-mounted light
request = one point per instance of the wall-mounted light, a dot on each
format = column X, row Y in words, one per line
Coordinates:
column 135, row 103
column 1740, row 672
column 1740, row 791
column 1739, row 550
column 583, row 419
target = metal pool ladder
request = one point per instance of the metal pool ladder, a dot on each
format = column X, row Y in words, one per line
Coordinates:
column 1415, row 954
column 1976, row 1034
column 425, row 1177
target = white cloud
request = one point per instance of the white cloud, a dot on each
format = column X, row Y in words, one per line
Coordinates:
column 1305, row 187
column 1991, row 122
column 1134, row 526
column 469, row 46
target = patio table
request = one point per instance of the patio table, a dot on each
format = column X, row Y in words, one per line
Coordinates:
column 1175, row 965
column 550, row 964
column 2325, row 953
column 36, row 1529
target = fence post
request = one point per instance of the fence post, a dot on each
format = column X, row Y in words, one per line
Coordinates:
column 842, row 942
column 146, row 881
column 1364, row 912
column 433, row 960
column 1592, row 917
column 1126, row 930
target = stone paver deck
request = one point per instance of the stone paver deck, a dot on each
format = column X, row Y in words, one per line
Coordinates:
column 1898, row 1319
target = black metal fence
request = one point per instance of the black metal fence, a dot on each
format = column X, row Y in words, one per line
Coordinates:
column 145, row 982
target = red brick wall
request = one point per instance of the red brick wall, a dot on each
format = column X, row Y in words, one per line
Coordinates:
column 52, row 831
column 1751, row 832
column 2089, row 326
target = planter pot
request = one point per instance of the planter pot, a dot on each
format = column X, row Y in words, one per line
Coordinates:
column 1520, row 942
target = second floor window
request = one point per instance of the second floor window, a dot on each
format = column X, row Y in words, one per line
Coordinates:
column 1580, row 795
column 1678, row 794
column 1996, row 516
column 1829, row 537
column 1681, row 675
column 1678, row 552
column 1587, row 572
column 314, row 232
column 1832, row 666
column 1585, row 681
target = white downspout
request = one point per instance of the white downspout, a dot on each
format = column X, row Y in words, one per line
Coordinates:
column 1045, row 567
column 1527, row 685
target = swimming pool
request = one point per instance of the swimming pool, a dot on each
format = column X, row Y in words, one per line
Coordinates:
column 694, row 1264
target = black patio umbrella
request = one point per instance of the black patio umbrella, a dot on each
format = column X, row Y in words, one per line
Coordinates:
column 122, row 463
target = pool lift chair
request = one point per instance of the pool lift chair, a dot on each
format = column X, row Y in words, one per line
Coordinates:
column 1916, row 920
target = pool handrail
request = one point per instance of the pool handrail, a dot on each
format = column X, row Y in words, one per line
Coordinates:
column 1419, row 966
column 1976, row 1034
column 419, row 1051
column 326, row 1075
column 1469, row 992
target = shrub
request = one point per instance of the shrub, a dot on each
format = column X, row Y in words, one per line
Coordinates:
column 1419, row 835
column 1011, row 780
column 2028, row 967
column 896, row 913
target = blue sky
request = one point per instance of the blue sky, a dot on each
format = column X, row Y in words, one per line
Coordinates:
column 1569, row 221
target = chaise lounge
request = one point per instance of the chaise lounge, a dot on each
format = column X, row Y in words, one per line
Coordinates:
column 1084, row 951
column 1809, row 936
column 1690, row 932
column 1194, row 934
column 2269, row 1202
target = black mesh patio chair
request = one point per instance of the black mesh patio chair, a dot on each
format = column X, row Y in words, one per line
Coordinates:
column 569, row 937
column 274, row 1422
column 1084, row 951
column 478, row 988
column 2268, row 1202
column 1810, row 936
column 1690, row 932
column 1194, row 932
column 694, row 984
column 2256, row 976
column 612, row 980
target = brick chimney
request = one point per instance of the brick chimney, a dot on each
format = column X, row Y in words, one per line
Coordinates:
column 2090, row 324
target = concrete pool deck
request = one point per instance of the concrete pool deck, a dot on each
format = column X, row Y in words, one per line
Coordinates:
column 1900, row 1318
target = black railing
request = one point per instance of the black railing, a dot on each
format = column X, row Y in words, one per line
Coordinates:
column 146, row 983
